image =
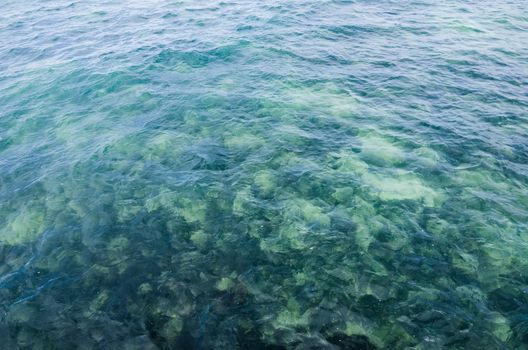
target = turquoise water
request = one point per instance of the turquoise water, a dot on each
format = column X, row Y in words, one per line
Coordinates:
column 264, row 175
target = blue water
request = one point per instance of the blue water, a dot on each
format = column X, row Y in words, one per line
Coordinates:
column 264, row 174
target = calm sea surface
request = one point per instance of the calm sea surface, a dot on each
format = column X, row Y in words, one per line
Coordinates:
column 264, row 174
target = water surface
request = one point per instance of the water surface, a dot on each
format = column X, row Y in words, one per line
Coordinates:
column 264, row 174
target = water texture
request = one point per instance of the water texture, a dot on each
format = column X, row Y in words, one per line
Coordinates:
column 264, row 174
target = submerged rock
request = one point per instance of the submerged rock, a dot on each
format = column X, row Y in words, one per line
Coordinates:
column 402, row 186
column 24, row 226
column 381, row 151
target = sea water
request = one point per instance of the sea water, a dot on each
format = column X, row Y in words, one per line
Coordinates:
column 264, row 174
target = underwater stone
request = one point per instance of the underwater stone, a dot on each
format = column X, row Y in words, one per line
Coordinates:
column 200, row 239
column 481, row 179
column 350, row 162
column 427, row 156
column 164, row 199
column 300, row 210
column 363, row 236
column 192, row 210
column 145, row 288
column 278, row 245
column 265, row 182
column 293, row 135
column 126, row 212
column 165, row 145
column 501, row 328
column 225, row 283
column 465, row 262
column 312, row 213
column 359, row 326
column 402, row 186
column 301, row 278
column 99, row 301
column 436, row 226
column 242, row 201
column 118, row 244
column 291, row 316
column 379, row 150
column 471, row 297
column 172, row 329
column 363, row 208
column 498, row 254
column 24, row 226
column 292, row 236
column 243, row 142
column 325, row 97
column 343, row 195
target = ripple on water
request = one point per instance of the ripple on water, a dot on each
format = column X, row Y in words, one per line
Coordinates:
column 323, row 174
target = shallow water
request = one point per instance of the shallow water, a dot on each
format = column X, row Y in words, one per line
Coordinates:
column 264, row 175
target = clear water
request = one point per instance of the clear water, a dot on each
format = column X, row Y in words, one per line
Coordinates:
column 264, row 174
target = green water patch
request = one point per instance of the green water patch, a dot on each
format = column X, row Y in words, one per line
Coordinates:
column 170, row 181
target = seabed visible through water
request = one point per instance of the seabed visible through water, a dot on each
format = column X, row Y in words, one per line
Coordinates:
column 263, row 174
